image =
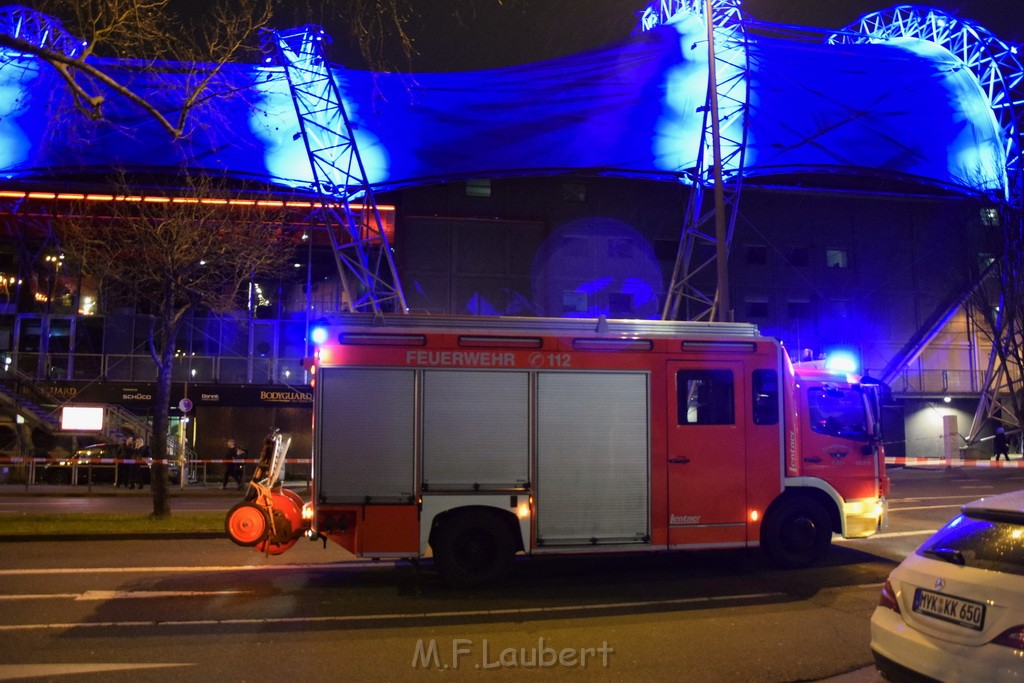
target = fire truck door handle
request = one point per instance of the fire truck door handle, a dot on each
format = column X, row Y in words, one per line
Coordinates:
column 679, row 461
column 812, row 459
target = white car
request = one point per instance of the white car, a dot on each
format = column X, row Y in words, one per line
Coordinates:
column 954, row 609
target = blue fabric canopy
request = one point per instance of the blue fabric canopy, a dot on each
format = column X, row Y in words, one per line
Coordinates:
column 902, row 109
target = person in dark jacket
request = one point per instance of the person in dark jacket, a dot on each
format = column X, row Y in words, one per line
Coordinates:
column 233, row 469
column 1000, row 444
column 124, row 469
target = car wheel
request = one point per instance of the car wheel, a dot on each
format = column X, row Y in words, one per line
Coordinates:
column 796, row 532
column 60, row 477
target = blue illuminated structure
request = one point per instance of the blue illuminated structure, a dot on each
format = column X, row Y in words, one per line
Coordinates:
column 339, row 176
column 903, row 109
column 909, row 94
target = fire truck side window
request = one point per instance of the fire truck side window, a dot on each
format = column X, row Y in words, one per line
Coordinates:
column 765, row 385
column 837, row 412
column 705, row 397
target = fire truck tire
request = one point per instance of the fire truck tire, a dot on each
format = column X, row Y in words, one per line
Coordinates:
column 796, row 532
column 473, row 548
column 247, row 524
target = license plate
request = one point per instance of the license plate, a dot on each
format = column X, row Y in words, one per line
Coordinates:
column 966, row 613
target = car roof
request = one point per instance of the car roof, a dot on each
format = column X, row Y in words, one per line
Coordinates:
column 1005, row 506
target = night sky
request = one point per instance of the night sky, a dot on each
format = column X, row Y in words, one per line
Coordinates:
column 484, row 34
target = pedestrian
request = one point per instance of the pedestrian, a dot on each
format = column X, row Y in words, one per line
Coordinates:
column 141, row 454
column 233, row 469
column 123, row 474
column 1000, row 444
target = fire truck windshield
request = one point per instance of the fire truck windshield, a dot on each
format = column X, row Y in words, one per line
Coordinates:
column 838, row 412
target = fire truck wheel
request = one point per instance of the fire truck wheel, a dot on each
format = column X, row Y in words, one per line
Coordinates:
column 247, row 524
column 796, row 532
column 473, row 548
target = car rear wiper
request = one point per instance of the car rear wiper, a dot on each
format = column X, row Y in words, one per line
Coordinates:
column 947, row 555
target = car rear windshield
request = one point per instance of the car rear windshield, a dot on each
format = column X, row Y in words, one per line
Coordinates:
column 983, row 543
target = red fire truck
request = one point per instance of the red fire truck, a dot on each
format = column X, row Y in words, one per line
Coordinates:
column 477, row 438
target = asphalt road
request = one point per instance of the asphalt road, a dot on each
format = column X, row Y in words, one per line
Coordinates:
column 206, row 609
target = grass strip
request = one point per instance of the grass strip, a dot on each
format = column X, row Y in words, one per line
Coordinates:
column 77, row 524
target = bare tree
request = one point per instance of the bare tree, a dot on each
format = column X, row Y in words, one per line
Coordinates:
column 167, row 259
column 203, row 40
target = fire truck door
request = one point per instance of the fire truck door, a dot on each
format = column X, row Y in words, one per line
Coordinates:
column 706, row 452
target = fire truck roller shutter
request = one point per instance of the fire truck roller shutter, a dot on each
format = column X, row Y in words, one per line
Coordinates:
column 476, row 430
column 593, row 455
column 365, row 435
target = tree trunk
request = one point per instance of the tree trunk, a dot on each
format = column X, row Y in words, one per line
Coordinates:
column 161, row 412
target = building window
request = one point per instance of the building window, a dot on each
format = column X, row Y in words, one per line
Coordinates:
column 798, row 309
column 620, row 247
column 574, row 303
column 984, row 261
column 705, row 397
column 574, row 192
column 990, row 216
column 836, row 258
column 756, row 307
column 620, row 305
column 799, row 256
column 756, row 254
column 840, row 308
column 480, row 187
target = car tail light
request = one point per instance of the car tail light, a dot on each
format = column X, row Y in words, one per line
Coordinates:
column 1013, row 637
column 888, row 598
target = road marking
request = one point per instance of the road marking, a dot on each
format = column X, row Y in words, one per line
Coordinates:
column 12, row 671
column 368, row 564
column 134, row 595
column 363, row 618
column 119, row 595
column 925, row 507
column 893, row 534
column 924, row 498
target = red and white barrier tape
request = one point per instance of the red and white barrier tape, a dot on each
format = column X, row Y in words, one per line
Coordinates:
column 84, row 462
column 954, row 462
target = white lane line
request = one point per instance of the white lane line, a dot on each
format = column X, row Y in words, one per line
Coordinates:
column 925, row 507
column 118, row 595
column 216, row 568
column 40, row 596
column 14, row 671
column 362, row 618
column 144, row 595
column 921, row 499
column 893, row 534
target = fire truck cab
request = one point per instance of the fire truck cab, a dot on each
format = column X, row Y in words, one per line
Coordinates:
column 472, row 439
